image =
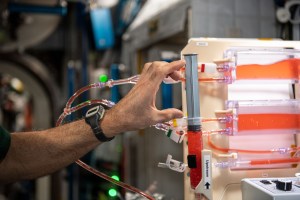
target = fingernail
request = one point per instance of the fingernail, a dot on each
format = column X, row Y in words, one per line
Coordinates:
column 179, row 115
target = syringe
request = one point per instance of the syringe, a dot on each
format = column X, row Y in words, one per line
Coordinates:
column 194, row 133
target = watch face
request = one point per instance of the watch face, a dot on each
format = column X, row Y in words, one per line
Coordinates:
column 94, row 111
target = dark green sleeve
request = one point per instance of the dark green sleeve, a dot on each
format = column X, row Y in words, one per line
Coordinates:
column 4, row 142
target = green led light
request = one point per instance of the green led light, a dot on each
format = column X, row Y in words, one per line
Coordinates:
column 103, row 78
column 112, row 192
column 115, row 177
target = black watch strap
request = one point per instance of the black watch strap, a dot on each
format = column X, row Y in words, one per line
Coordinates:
column 93, row 117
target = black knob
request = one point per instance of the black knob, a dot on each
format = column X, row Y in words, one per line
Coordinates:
column 285, row 185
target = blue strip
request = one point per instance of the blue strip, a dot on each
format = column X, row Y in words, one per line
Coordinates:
column 27, row 8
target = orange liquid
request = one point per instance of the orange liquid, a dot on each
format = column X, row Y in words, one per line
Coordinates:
column 286, row 69
column 268, row 121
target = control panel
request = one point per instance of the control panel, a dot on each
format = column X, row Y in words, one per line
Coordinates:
column 285, row 188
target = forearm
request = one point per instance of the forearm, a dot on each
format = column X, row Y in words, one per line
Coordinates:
column 34, row 154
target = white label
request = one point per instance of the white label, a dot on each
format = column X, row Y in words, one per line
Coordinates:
column 207, row 172
column 202, row 44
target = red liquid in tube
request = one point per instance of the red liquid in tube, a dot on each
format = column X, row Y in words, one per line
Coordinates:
column 195, row 146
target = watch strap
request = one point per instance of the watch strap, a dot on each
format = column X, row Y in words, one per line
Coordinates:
column 93, row 118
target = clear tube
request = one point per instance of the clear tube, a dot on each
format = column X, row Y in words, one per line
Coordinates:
column 82, row 90
column 183, row 121
column 211, row 79
column 218, row 131
column 119, row 183
column 247, row 163
column 110, row 83
column 211, row 68
column 162, row 126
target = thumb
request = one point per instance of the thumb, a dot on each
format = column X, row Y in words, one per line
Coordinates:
column 169, row 114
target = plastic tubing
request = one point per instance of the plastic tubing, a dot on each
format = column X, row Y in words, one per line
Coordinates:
column 258, row 162
column 221, row 79
column 275, row 161
column 109, row 83
column 68, row 110
column 210, row 68
column 218, row 131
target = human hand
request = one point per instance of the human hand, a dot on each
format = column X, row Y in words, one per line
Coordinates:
column 137, row 110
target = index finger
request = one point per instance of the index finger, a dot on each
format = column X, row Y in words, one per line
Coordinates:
column 173, row 66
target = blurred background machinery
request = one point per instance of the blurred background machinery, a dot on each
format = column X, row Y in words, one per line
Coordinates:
column 48, row 50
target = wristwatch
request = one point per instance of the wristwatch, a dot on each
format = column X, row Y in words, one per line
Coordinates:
column 93, row 117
